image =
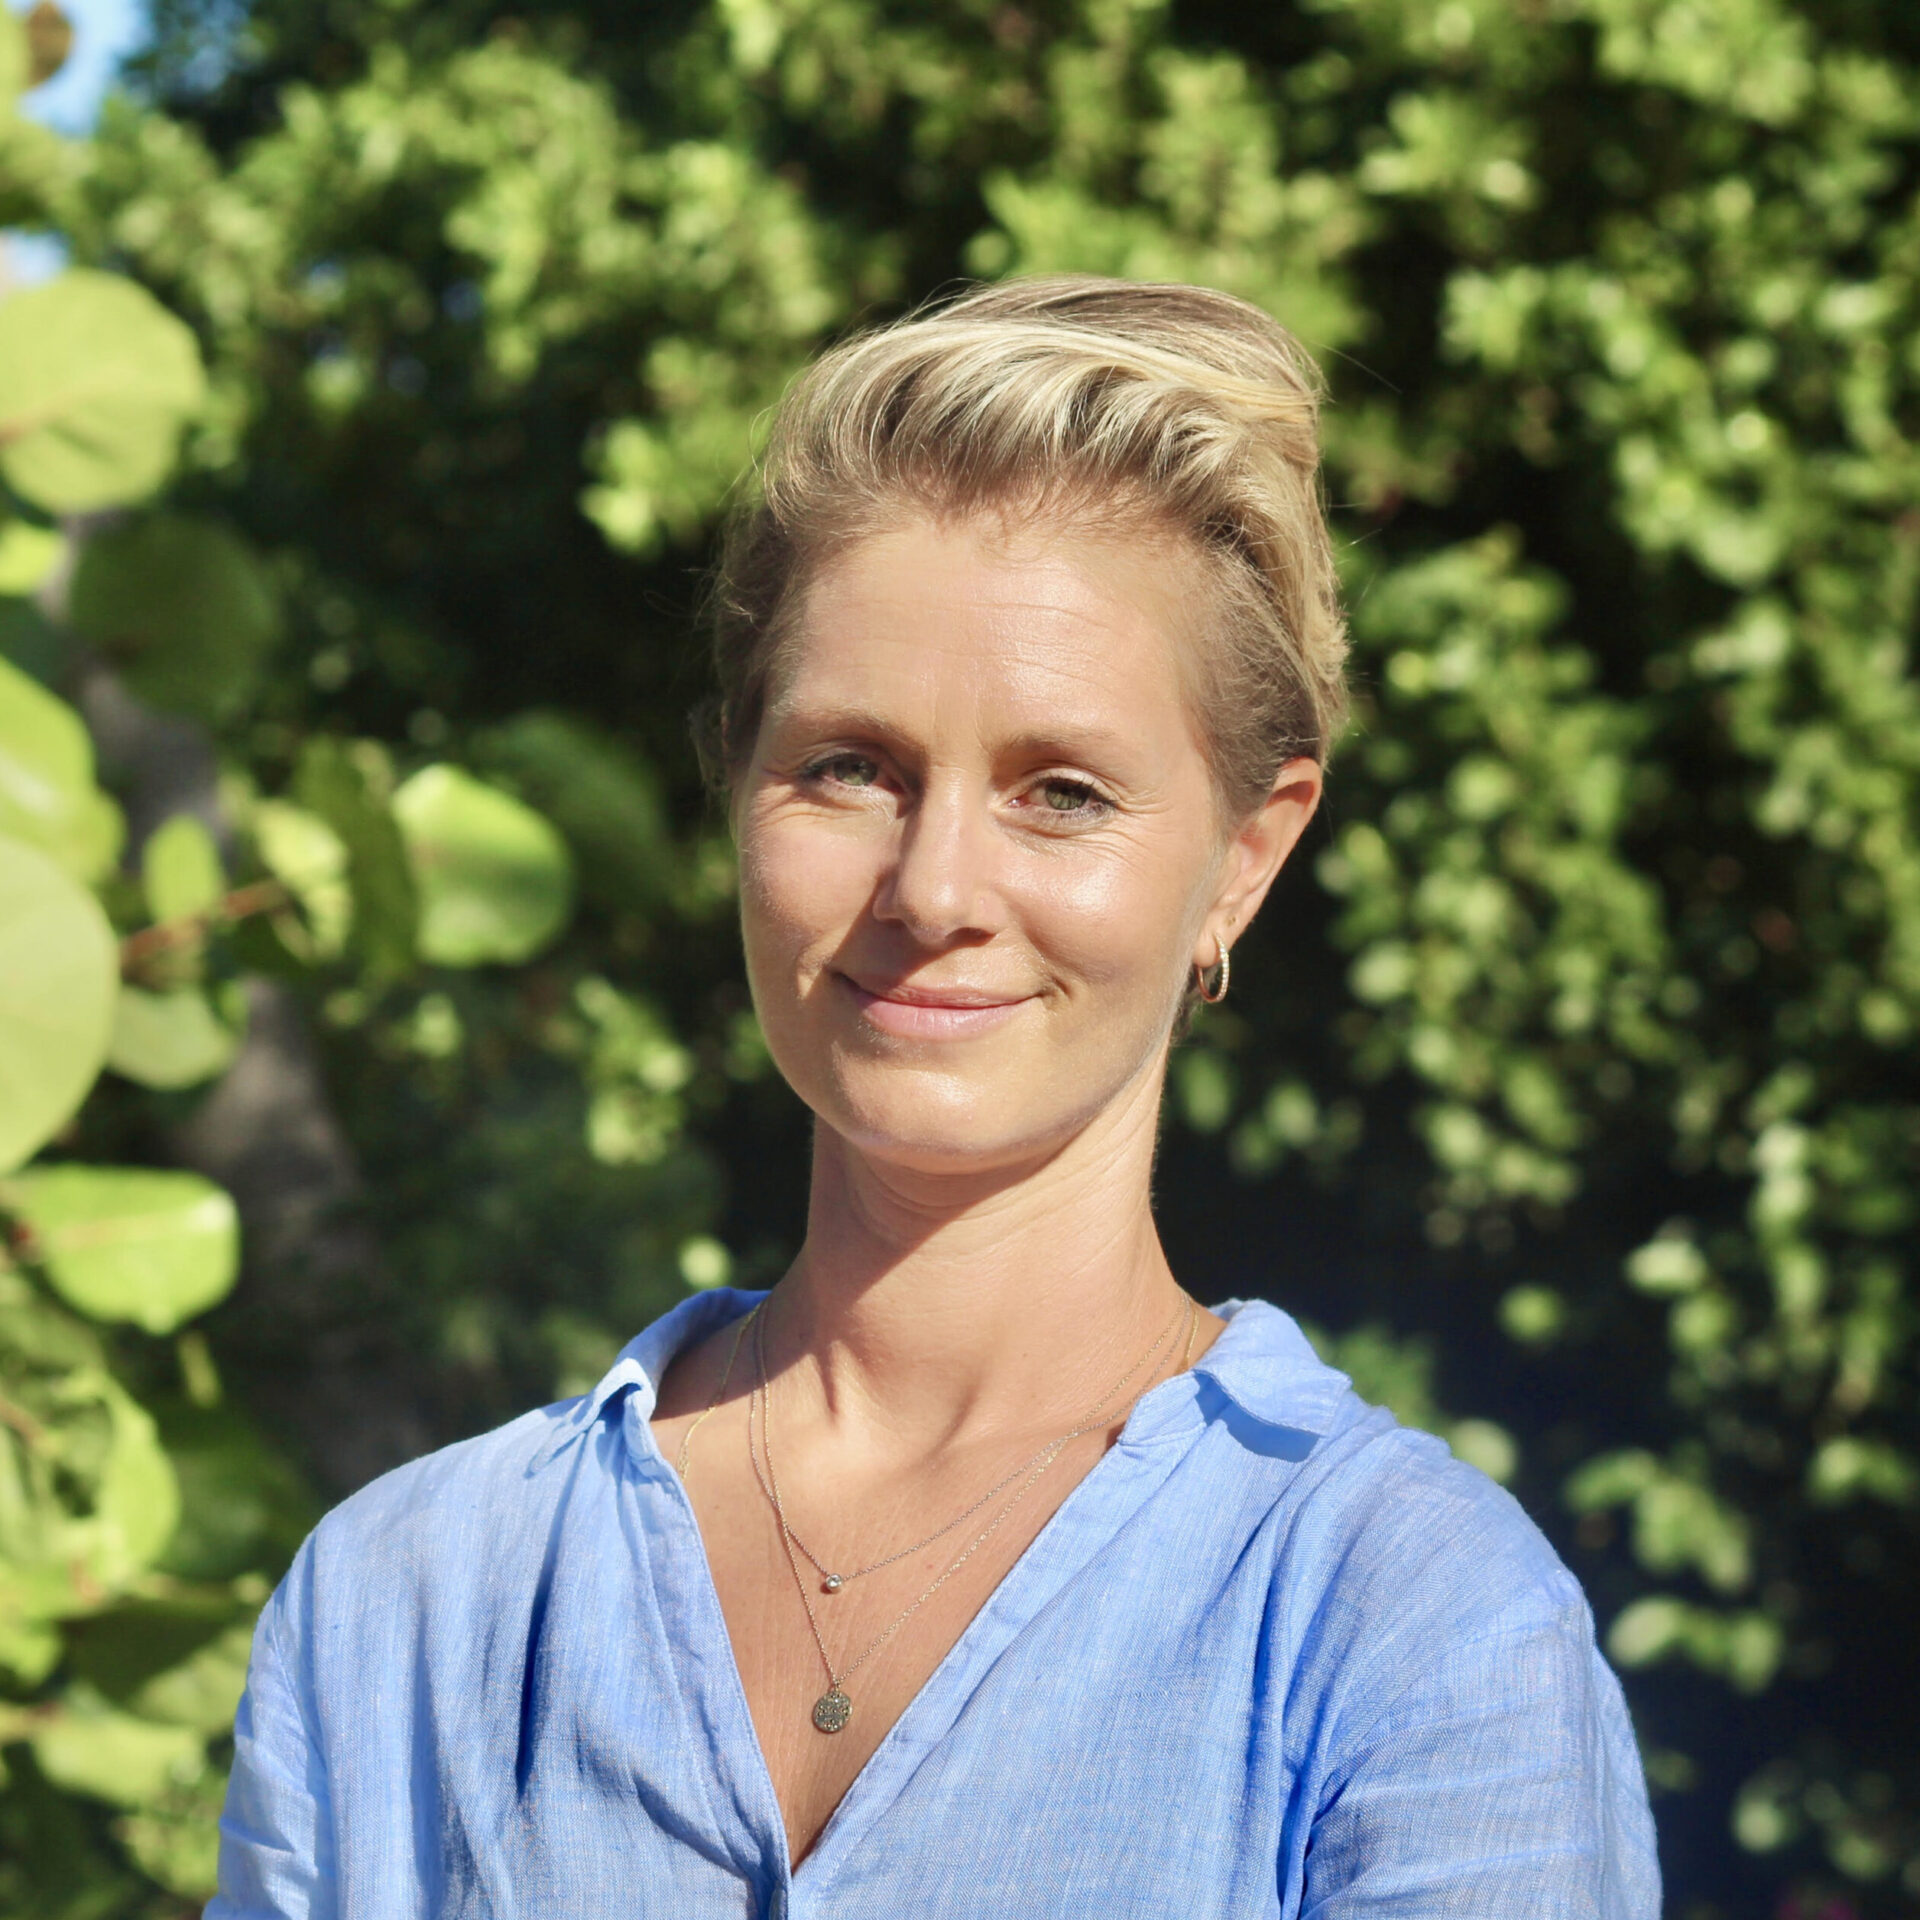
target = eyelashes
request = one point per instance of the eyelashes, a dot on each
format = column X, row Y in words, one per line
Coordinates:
column 842, row 769
column 1061, row 800
column 1083, row 799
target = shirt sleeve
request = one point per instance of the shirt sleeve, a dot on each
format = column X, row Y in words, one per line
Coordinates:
column 1501, row 1782
column 276, row 1851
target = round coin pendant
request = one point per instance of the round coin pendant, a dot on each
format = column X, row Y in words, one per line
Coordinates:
column 832, row 1711
column 832, row 1583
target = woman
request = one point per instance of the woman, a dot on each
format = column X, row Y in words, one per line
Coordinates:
column 975, row 1570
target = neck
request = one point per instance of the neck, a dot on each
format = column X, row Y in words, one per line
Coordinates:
column 941, row 1308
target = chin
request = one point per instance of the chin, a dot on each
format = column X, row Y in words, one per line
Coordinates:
column 941, row 1122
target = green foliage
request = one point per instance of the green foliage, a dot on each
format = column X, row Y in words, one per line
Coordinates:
column 1587, row 1029
column 90, row 1498
column 125, row 1243
column 97, row 380
column 47, row 793
column 180, row 606
column 15, row 61
column 492, row 877
column 172, row 1039
column 58, row 979
column 132, row 1560
column 180, row 870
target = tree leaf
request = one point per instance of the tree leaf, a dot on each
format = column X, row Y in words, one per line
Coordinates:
column 131, row 1243
column 88, row 1747
column 336, row 780
column 182, row 606
column 47, row 790
column 177, row 1841
column 137, row 1501
column 601, row 795
column 27, row 555
column 204, row 1689
column 494, row 879
column 90, row 1497
column 243, row 1505
column 169, row 1039
column 180, row 869
column 59, row 976
column 16, row 58
column 304, row 853
column 97, row 379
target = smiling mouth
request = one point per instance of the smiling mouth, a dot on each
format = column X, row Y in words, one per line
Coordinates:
column 931, row 1013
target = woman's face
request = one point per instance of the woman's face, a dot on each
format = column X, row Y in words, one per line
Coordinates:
column 980, row 851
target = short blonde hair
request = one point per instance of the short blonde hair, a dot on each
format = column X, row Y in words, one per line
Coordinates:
column 1115, row 405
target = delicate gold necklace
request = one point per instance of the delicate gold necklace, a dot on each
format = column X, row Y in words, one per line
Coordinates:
column 834, row 1708
column 831, row 1582
column 733, row 1354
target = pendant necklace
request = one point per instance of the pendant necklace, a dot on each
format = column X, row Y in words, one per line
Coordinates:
column 834, row 1708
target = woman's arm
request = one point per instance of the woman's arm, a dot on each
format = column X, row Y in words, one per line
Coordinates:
column 276, row 1851
column 1501, row 1782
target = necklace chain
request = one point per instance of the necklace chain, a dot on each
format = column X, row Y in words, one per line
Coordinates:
column 833, row 1582
column 834, row 1709
column 719, row 1392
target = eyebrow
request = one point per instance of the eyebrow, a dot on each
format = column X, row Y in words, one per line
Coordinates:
column 1069, row 742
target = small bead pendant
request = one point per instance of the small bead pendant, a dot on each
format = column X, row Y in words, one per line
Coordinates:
column 832, row 1583
column 832, row 1710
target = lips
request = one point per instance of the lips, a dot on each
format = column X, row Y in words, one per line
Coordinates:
column 918, row 1012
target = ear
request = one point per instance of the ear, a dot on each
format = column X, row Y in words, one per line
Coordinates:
column 1255, row 855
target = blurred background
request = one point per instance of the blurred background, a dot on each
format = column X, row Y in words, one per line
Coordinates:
column 374, row 1057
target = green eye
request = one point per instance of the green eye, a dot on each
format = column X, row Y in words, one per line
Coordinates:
column 1068, row 796
column 846, row 770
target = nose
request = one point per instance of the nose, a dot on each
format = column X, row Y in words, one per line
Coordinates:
column 942, row 884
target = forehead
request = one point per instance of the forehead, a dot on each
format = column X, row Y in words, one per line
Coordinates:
column 1015, row 625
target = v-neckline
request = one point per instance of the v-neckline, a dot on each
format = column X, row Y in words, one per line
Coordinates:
column 1064, row 1544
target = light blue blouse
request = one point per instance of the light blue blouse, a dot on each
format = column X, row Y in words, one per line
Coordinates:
column 1276, row 1655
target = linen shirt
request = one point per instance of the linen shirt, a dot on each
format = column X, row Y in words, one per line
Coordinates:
column 1274, row 1656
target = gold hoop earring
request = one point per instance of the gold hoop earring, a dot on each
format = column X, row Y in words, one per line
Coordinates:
column 1221, row 969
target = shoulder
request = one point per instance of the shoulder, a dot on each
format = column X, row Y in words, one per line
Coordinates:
column 1405, row 1524
column 478, row 1504
column 450, row 1536
column 1357, row 1504
column 1418, row 1594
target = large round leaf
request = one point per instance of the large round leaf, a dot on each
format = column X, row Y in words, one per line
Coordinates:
column 494, row 879
column 96, row 381
column 59, row 975
column 47, row 793
column 182, row 607
column 169, row 1039
column 91, row 1748
column 129, row 1243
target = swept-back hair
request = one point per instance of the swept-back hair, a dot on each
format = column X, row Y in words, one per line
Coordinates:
column 1111, row 406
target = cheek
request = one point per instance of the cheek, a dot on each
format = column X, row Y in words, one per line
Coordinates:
column 1117, row 920
column 800, row 888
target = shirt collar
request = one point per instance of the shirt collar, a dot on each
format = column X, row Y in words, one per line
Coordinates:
column 644, row 1360
column 1262, row 1362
